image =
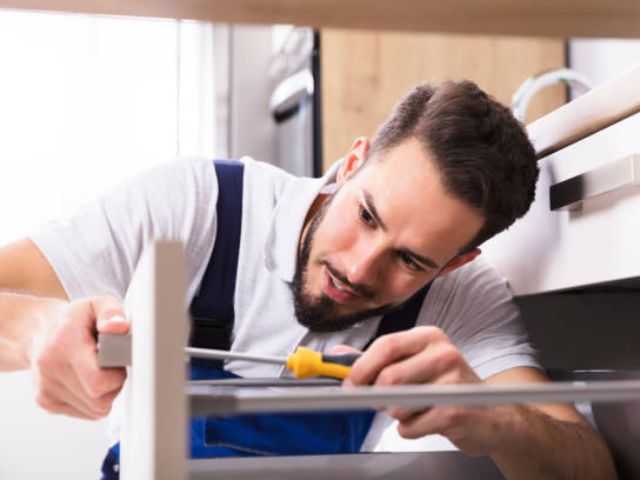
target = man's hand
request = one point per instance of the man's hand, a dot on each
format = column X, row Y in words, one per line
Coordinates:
column 520, row 439
column 425, row 355
column 63, row 357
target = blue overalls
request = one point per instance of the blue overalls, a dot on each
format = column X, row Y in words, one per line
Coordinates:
column 312, row 433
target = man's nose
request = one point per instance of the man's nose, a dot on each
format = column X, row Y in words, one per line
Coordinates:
column 365, row 265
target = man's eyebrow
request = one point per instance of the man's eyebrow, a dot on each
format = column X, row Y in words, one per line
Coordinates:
column 424, row 260
column 368, row 202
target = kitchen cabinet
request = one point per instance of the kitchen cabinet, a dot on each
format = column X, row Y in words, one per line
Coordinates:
column 596, row 18
column 365, row 73
column 599, row 240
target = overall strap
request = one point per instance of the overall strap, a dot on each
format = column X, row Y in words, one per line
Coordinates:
column 212, row 307
column 404, row 317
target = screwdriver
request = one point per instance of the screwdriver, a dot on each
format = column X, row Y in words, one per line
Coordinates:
column 115, row 351
column 304, row 362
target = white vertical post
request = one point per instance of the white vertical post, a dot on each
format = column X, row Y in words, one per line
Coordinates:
column 154, row 437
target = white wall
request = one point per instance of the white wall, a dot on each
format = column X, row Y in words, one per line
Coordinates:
column 85, row 102
column 35, row 445
column 603, row 59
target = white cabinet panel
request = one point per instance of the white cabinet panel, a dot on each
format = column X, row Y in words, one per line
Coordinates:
column 551, row 250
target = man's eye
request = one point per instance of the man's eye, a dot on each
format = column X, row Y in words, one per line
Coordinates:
column 409, row 261
column 366, row 216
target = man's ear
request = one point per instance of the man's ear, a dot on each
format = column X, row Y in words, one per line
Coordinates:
column 353, row 160
column 459, row 261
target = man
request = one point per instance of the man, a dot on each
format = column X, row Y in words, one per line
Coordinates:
column 394, row 227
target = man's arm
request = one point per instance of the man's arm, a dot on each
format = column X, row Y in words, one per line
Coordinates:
column 23, row 268
column 526, row 442
column 558, row 432
column 55, row 338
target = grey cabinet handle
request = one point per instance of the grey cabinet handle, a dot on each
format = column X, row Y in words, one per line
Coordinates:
column 569, row 194
column 291, row 91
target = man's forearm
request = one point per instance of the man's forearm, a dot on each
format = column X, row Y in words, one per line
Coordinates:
column 541, row 447
column 20, row 317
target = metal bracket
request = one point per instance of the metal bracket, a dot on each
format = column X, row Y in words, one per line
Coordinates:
column 114, row 350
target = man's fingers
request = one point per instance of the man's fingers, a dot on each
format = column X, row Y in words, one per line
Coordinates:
column 95, row 381
column 340, row 349
column 59, row 381
column 55, row 394
column 65, row 359
column 419, row 424
column 427, row 366
column 110, row 317
column 404, row 414
column 99, row 399
column 57, row 385
column 60, row 408
column 388, row 349
column 116, row 325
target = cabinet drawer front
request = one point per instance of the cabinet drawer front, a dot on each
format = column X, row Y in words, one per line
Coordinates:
column 597, row 242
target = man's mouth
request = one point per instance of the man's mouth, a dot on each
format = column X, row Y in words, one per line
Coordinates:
column 336, row 289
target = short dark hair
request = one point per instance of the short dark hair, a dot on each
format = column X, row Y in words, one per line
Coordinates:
column 482, row 152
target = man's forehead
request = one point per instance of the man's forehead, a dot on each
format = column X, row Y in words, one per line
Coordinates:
column 417, row 207
column 404, row 178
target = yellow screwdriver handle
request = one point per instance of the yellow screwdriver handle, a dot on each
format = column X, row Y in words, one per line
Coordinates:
column 305, row 363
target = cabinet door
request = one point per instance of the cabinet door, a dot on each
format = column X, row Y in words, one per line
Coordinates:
column 600, row 242
column 365, row 73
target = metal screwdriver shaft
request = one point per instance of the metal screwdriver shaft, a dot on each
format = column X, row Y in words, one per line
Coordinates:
column 228, row 355
column 115, row 351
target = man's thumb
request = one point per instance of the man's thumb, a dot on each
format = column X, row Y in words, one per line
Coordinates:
column 110, row 317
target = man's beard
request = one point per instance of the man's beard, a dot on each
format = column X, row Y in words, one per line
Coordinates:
column 320, row 315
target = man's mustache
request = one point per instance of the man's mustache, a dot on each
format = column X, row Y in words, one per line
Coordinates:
column 362, row 290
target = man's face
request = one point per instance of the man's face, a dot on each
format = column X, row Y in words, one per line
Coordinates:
column 383, row 235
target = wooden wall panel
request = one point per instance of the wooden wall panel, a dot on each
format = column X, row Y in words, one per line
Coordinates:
column 365, row 73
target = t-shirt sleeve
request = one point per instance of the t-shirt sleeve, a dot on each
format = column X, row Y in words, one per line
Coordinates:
column 475, row 308
column 95, row 251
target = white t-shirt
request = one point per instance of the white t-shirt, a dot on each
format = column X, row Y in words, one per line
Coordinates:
column 95, row 253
